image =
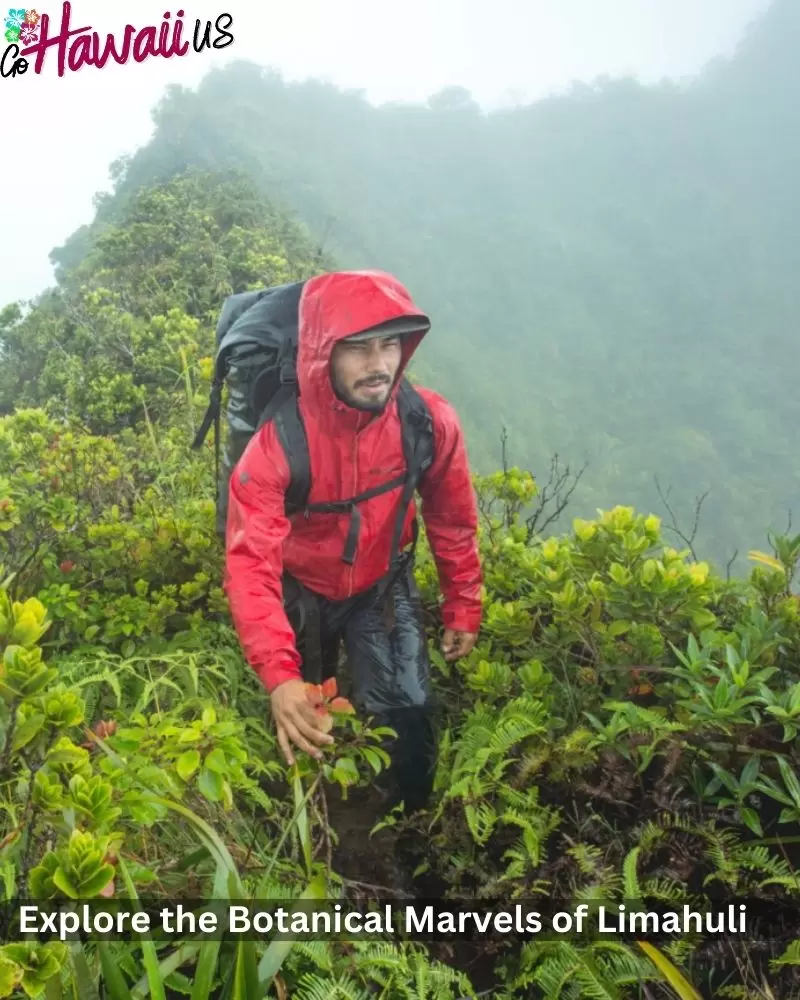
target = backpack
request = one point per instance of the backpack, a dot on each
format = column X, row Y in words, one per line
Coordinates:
column 256, row 357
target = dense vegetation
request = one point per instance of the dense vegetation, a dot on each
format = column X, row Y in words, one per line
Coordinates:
column 611, row 273
column 624, row 730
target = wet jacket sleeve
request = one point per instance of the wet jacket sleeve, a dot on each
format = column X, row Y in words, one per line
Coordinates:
column 256, row 529
column 450, row 513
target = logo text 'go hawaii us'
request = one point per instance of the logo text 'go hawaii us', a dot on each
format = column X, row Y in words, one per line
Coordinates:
column 28, row 35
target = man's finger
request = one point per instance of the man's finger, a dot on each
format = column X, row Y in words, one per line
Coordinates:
column 453, row 650
column 306, row 712
column 299, row 740
column 309, row 729
column 283, row 743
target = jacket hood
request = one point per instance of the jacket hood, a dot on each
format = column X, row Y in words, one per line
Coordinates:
column 335, row 306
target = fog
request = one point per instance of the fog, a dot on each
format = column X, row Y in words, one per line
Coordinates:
column 61, row 133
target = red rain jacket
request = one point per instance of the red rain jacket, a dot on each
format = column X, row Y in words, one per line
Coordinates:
column 351, row 451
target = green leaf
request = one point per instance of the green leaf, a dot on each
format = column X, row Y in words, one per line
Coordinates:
column 62, row 882
column 82, row 977
column 345, row 765
column 215, row 761
column 751, row 769
column 29, row 729
column 790, row 780
column 166, row 968
column 671, row 973
column 211, row 785
column 10, row 976
column 703, row 619
column 113, row 980
column 149, row 953
column 278, row 950
column 205, row 970
column 373, row 759
column 245, row 983
column 190, row 736
column 187, row 764
column 750, row 818
column 95, row 885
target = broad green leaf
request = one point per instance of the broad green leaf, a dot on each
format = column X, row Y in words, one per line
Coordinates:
column 10, row 976
column 28, row 730
column 750, row 818
column 211, row 785
column 790, row 780
column 95, row 885
column 346, row 766
column 215, row 761
column 62, row 881
column 187, row 764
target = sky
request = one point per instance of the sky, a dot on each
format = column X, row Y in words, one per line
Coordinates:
column 61, row 134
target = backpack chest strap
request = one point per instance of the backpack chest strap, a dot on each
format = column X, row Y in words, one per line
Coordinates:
column 349, row 506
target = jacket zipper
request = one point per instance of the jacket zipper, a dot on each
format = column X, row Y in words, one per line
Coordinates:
column 351, row 568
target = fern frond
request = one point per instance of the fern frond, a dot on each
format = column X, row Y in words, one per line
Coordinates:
column 629, row 875
column 319, row 952
column 314, row 987
column 790, row 957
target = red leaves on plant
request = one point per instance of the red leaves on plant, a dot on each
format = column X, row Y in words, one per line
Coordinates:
column 102, row 731
column 324, row 697
column 105, row 729
column 67, row 566
column 315, row 697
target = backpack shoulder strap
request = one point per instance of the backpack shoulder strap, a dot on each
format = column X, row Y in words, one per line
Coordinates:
column 292, row 435
column 417, row 430
column 418, row 446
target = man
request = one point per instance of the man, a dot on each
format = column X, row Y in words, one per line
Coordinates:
column 357, row 333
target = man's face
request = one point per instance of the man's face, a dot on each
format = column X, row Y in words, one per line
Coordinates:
column 363, row 371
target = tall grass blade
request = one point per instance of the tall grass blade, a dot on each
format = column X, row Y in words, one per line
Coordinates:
column 275, row 955
column 113, row 981
column 149, row 953
column 683, row 988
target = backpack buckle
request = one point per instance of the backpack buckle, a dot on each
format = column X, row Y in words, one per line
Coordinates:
column 288, row 370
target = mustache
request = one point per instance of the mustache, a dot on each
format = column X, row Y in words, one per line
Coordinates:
column 373, row 380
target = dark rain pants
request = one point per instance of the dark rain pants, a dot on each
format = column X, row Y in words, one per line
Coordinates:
column 389, row 669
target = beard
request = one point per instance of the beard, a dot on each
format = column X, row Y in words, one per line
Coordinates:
column 365, row 405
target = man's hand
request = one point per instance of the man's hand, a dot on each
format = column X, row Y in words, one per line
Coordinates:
column 457, row 644
column 297, row 721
